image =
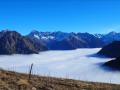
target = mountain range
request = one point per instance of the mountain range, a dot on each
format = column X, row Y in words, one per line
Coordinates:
column 67, row 41
column 12, row 42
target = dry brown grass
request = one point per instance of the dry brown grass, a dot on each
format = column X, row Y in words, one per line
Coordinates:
column 16, row 81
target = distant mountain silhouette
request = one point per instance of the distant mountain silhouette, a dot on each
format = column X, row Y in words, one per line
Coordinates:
column 91, row 40
column 111, row 50
column 113, row 64
column 12, row 42
column 66, row 41
column 110, row 37
column 71, row 42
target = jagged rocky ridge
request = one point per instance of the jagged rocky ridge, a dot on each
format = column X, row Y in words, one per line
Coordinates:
column 12, row 42
column 66, row 41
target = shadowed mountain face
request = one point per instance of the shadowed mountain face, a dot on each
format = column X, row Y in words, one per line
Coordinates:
column 71, row 42
column 12, row 42
column 56, row 40
column 112, row 50
column 91, row 40
column 109, row 37
column 113, row 64
column 66, row 41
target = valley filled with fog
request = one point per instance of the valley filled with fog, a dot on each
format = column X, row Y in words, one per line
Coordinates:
column 74, row 64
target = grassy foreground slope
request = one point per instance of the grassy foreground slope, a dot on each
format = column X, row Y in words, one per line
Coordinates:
column 17, row 81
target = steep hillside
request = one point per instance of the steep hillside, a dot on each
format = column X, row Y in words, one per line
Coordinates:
column 111, row 50
column 11, row 42
column 16, row 81
column 113, row 64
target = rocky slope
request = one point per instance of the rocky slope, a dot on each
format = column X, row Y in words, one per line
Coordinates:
column 91, row 40
column 69, row 43
column 66, row 41
column 11, row 42
column 110, row 37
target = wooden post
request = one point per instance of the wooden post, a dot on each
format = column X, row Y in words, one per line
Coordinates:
column 30, row 72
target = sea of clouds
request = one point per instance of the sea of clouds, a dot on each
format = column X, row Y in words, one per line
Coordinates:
column 73, row 64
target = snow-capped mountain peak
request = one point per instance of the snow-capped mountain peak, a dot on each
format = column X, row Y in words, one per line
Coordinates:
column 98, row 35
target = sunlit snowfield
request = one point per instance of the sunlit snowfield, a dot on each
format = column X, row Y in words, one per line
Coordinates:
column 74, row 64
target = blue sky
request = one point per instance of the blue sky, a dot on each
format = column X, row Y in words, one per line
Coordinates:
column 93, row 16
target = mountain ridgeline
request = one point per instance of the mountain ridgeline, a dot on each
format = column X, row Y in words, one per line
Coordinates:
column 12, row 42
column 66, row 41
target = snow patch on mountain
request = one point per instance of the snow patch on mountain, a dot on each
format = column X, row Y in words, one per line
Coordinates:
column 36, row 36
